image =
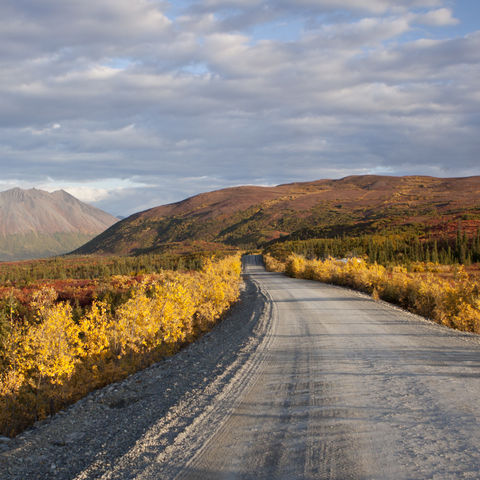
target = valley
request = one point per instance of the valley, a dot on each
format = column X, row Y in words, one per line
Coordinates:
column 265, row 365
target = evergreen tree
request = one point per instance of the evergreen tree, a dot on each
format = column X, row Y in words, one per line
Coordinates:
column 435, row 252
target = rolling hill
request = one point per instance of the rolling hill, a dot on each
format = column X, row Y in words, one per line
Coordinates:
column 35, row 223
column 250, row 216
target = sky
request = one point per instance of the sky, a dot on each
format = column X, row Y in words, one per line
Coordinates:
column 129, row 104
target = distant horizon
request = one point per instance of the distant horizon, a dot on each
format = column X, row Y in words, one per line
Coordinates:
column 122, row 216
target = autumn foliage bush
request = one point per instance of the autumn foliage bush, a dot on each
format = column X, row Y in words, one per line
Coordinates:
column 56, row 357
column 452, row 302
column 272, row 264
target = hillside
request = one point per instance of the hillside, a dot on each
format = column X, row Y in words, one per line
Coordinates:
column 35, row 223
column 250, row 216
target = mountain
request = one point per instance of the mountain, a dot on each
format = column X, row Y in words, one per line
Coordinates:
column 34, row 223
column 250, row 216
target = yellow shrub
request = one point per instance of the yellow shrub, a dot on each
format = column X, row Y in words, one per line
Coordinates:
column 272, row 264
column 215, row 289
column 43, row 299
column 295, row 266
column 95, row 328
column 55, row 360
column 134, row 326
column 468, row 317
column 173, row 309
column 48, row 350
column 455, row 304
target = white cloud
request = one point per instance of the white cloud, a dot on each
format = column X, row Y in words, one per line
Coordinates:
column 87, row 194
column 362, row 33
column 93, row 191
column 437, row 18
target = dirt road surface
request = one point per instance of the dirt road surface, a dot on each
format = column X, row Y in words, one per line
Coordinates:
column 302, row 381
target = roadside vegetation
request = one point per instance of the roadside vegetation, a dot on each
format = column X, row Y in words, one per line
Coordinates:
column 447, row 294
column 63, row 337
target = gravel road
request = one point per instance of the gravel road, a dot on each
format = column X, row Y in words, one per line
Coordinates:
column 302, row 381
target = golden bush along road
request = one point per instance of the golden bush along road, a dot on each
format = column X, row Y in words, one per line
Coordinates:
column 302, row 381
column 349, row 388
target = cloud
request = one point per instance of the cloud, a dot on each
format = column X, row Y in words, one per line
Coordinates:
column 60, row 29
column 371, row 6
column 130, row 106
column 437, row 18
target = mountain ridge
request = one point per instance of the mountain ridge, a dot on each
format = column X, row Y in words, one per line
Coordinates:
column 250, row 216
column 35, row 223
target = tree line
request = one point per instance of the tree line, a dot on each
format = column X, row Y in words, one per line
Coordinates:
column 387, row 249
column 91, row 267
